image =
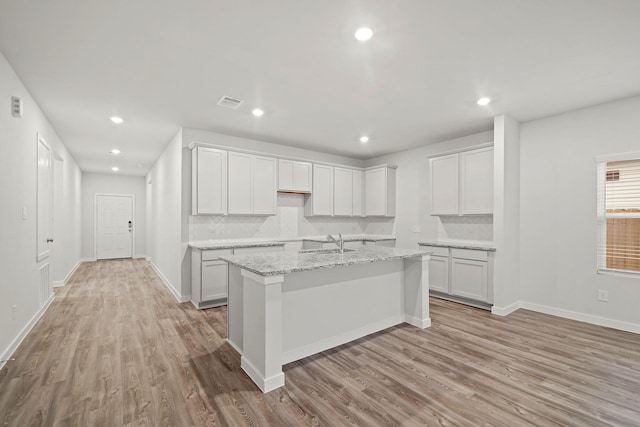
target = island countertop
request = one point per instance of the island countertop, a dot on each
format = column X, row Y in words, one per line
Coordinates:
column 271, row 264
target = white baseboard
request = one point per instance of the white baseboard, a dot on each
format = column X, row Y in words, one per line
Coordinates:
column 581, row 317
column 505, row 311
column 60, row 283
column 88, row 260
column 141, row 256
column 168, row 284
column 23, row 333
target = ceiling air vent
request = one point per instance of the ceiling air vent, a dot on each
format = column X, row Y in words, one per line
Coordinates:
column 230, row 102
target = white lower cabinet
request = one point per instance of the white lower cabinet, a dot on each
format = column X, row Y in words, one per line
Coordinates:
column 465, row 275
column 210, row 275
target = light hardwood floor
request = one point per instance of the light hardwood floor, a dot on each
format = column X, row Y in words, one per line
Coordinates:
column 115, row 348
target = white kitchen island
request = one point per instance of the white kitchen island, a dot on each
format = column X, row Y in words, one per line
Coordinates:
column 285, row 306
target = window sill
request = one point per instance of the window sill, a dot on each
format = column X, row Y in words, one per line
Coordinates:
column 622, row 273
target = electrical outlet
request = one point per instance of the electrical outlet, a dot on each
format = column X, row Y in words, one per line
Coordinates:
column 15, row 307
column 603, row 295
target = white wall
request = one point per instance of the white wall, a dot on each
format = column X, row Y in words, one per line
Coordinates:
column 97, row 183
column 18, row 154
column 164, row 188
column 413, row 197
column 558, row 213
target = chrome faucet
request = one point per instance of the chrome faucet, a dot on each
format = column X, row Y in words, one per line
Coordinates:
column 339, row 242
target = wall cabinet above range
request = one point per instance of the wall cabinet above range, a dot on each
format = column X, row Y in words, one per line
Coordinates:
column 462, row 183
column 294, row 176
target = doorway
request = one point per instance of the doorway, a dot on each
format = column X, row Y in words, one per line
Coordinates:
column 114, row 215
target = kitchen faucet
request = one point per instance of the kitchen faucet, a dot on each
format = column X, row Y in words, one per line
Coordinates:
column 339, row 242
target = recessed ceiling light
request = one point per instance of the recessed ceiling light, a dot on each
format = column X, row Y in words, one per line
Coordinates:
column 364, row 139
column 115, row 152
column 116, row 119
column 257, row 112
column 115, row 169
column 484, row 101
column 363, row 34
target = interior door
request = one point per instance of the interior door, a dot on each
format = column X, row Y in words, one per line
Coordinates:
column 114, row 226
column 44, row 200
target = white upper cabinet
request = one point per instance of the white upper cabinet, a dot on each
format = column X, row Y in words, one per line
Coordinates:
column 444, row 185
column 294, row 176
column 462, row 183
column 320, row 201
column 358, row 193
column 380, row 191
column 209, row 181
column 265, row 198
column 252, row 184
column 342, row 191
column 476, row 181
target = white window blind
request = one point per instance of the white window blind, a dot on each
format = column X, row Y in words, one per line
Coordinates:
column 619, row 215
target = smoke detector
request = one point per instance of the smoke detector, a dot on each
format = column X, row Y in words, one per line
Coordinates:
column 230, row 102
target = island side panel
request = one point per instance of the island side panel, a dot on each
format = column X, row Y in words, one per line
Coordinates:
column 325, row 308
column 262, row 330
column 235, row 304
column 416, row 291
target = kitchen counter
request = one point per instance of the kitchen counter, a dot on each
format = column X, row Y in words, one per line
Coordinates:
column 352, row 238
column 305, row 303
column 234, row 243
column 269, row 264
column 459, row 244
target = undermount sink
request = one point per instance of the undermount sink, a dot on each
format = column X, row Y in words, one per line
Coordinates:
column 324, row 251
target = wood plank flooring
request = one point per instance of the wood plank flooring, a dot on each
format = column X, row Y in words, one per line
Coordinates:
column 116, row 349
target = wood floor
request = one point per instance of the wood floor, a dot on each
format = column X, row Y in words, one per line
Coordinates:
column 115, row 348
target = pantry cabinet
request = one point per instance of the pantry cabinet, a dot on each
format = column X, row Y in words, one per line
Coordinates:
column 462, row 183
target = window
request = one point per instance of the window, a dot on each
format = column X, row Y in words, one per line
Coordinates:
column 619, row 214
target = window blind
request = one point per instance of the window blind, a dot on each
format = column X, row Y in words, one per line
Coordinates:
column 618, row 215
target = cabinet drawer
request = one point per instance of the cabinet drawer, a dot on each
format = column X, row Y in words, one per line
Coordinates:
column 476, row 255
column 436, row 250
column 257, row 250
column 214, row 254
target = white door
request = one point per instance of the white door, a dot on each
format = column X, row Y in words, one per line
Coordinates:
column 45, row 200
column 114, row 226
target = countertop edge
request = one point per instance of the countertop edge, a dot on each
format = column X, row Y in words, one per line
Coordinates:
column 458, row 246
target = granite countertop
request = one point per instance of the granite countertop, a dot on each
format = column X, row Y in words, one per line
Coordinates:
column 460, row 244
column 351, row 238
column 274, row 263
column 234, row 243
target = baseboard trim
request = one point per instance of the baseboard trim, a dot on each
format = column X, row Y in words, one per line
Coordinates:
column 174, row 292
column 505, row 311
column 88, row 260
column 60, row 283
column 581, row 317
column 24, row 332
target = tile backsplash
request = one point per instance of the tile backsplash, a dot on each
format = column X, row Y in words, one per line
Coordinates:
column 476, row 227
column 289, row 222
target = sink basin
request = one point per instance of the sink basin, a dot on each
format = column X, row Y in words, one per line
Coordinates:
column 324, row 251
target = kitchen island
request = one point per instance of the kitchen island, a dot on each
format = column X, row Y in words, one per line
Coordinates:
column 285, row 306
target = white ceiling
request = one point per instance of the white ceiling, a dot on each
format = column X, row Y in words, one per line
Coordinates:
column 162, row 64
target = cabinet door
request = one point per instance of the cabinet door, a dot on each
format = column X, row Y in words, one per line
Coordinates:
column 476, row 181
column 439, row 274
column 264, row 186
column 285, row 175
column 444, row 185
column 215, row 279
column 376, row 192
column 322, row 194
column 209, row 181
column 302, row 177
column 358, row 186
column 240, row 180
column 469, row 279
column 342, row 192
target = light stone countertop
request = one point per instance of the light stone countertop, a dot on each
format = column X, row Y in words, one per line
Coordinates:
column 351, row 238
column 459, row 244
column 234, row 243
column 274, row 263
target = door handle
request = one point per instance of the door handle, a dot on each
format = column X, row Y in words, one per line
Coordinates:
column 49, row 240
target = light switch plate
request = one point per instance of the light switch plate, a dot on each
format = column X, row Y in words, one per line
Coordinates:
column 24, row 212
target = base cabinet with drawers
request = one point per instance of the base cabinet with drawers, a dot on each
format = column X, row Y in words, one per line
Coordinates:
column 210, row 274
column 464, row 275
